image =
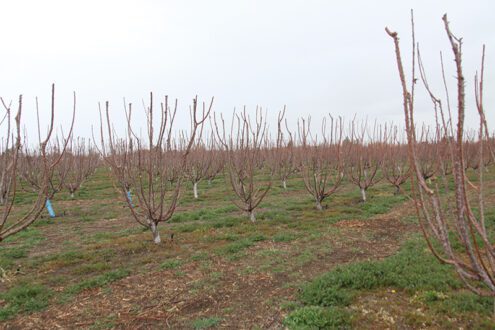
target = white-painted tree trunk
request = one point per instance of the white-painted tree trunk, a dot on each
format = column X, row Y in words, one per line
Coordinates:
column 195, row 189
column 363, row 195
column 252, row 216
column 319, row 207
column 155, row 232
column 284, row 184
column 72, row 195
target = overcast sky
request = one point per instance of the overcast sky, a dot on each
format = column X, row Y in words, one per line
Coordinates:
column 317, row 57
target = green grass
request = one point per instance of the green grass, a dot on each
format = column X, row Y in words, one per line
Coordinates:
column 239, row 245
column 105, row 323
column 206, row 323
column 96, row 282
column 304, row 257
column 284, row 237
column 18, row 246
column 234, row 247
column 412, row 269
column 105, row 236
column 462, row 302
column 89, row 268
column 14, row 253
column 200, row 256
column 171, row 264
column 67, row 258
column 203, row 214
column 315, row 317
column 25, row 298
column 28, row 236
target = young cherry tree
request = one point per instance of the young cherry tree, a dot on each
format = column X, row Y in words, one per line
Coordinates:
column 32, row 161
column 463, row 218
column 472, row 153
column 79, row 163
column 244, row 147
column 142, row 165
column 395, row 165
column 365, row 160
column 11, row 157
column 429, row 151
column 322, row 162
column 282, row 156
column 217, row 164
column 199, row 163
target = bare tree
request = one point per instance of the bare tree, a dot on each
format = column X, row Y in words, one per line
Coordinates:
column 395, row 165
column 283, row 156
column 32, row 161
column 322, row 162
column 471, row 151
column 31, row 178
column 475, row 261
column 78, row 164
column 430, row 152
column 244, row 147
column 29, row 170
column 473, row 154
column 142, row 164
column 10, row 225
column 363, row 163
column 198, row 164
column 217, row 165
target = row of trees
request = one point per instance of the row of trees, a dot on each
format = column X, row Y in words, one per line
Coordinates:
column 154, row 168
column 76, row 164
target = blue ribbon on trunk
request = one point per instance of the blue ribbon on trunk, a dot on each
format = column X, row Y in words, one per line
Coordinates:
column 49, row 208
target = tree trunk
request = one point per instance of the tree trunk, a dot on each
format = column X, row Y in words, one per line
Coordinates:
column 209, row 182
column 363, row 195
column 397, row 190
column 284, row 184
column 195, row 188
column 319, row 207
column 155, row 232
column 252, row 216
column 72, row 195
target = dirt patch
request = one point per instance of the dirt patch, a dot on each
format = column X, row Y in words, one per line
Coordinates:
column 350, row 223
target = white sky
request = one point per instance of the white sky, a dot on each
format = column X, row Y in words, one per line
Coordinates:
column 314, row 56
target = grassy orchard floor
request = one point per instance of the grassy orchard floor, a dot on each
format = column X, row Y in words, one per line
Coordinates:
column 351, row 265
